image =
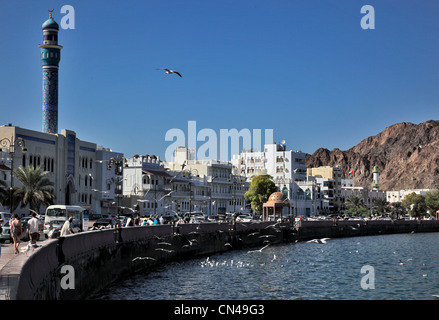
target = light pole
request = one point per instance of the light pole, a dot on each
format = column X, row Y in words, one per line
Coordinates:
column 235, row 180
column 118, row 162
column 189, row 173
column 10, row 145
column 210, row 198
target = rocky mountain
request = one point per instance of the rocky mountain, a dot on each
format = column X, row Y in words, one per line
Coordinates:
column 407, row 155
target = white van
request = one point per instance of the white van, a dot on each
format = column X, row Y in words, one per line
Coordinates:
column 58, row 214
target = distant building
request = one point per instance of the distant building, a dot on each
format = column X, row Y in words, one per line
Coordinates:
column 331, row 186
column 108, row 178
column 398, row 195
column 217, row 188
column 367, row 195
column 286, row 167
column 71, row 163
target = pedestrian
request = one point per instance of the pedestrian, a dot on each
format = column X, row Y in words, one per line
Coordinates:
column 67, row 227
column 16, row 229
column 161, row 219
column 155, row 220
column 130, row 221
column 33, row 229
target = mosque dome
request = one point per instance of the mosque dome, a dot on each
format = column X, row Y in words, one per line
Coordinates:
column 277, row 197
column 50, row 24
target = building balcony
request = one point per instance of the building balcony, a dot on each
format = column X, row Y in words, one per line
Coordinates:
column 157, row 187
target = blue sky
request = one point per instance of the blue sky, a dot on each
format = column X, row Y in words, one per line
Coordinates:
column 305, row 69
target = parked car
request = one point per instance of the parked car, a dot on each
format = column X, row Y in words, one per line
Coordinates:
column 4, row 217
column 105, row 222
column 244, row 218
column 6, row 233
column 95, row 216
column 198, row 219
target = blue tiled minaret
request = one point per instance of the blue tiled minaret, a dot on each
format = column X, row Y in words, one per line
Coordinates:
column 50, row 56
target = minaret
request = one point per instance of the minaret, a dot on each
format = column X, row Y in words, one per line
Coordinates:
column 375, row 178
column 50, row 56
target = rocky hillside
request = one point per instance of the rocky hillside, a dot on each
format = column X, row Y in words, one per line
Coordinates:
column 407, row 155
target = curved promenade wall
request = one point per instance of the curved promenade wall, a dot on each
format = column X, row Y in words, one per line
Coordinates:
column 101, row 257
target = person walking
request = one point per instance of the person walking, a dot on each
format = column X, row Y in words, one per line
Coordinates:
column 67, row 227
column 34, row 229
column 16, row 229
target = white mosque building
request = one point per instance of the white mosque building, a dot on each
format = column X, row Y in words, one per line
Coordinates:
column 74, row 165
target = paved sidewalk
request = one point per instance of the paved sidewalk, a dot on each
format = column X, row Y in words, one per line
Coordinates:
column 10, row 267
column 7, row 253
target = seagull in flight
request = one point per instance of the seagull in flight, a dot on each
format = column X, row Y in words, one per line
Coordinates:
column 167, row 71
column 259, row 250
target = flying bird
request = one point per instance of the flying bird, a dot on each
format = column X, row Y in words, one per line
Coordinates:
column 259, row 250
column 167, row 71
column 142, row 258
column 321, row 241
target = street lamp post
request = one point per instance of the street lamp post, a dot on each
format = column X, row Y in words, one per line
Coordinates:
column 235, row 180
column 210, row 199
column 11, row 144
column 118, row 162
column 189, row 173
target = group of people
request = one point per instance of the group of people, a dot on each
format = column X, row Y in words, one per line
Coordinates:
column 153, row 220
column 144, row 221
column 33, row 230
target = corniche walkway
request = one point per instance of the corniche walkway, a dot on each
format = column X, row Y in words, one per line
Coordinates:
column 135, row 241
column 10, row 266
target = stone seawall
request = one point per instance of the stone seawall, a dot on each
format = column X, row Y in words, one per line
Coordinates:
column 101, row 257
column 350, row 228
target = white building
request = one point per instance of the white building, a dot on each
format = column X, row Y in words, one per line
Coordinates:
column 71, row 163
column 217, row 188
column 288, row 169
column 108, row 178
column 398, row 195
column 367, row 195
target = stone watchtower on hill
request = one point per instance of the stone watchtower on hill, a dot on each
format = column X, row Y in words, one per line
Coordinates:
column 50, row 57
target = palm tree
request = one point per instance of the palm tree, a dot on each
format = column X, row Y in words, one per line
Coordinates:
column 36, row 190
column 355, row 202
column 355, row 206
column 397, row 209
column 380, row 205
